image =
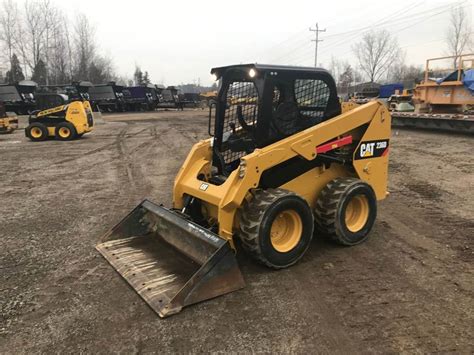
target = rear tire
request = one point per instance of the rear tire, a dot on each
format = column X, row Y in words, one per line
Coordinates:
column 346, row 210
column 65, row 131
column 276, row 227
column 36, row 132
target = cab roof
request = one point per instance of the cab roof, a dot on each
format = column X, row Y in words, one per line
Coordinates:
column 219, row 71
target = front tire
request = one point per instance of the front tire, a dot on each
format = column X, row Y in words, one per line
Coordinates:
column 37, row 132
column 346, row 210
column 276, row 227
column 65, row 131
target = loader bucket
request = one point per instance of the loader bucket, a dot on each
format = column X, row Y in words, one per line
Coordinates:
column 171, row 262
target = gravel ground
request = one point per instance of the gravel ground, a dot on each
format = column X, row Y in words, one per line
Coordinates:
column 408, row 289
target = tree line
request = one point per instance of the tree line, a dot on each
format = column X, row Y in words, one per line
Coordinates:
column 381, row 59
column 41, row 43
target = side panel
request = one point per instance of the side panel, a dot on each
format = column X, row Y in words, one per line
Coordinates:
column 371, row 155
column 76, row 114
column 310, row 184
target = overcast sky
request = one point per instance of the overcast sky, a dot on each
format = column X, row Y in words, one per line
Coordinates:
column 179, row 41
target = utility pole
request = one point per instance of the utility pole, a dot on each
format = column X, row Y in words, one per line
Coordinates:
column 316, row 41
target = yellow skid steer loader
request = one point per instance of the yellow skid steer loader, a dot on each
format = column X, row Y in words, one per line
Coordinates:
column 59, row 118
column 7, row 123
column 282, row 159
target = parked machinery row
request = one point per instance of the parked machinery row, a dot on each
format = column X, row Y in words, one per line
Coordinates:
column 21, row 97
column 443, row 100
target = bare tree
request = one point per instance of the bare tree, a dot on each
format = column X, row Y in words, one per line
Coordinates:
column 52, row 20
column 458, row 33
column 84, row 46
column 32, row 40
column 60, row 54
column 408, row 74
column 46, row 45
column 8, row 26
column 346, row 78
column 101, row 70
column 337, row 67
column 376, row 53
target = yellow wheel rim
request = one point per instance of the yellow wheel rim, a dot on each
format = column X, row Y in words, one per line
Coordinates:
column 36, row 132
column 357, row 213
column 64, row 132
column 286, row 231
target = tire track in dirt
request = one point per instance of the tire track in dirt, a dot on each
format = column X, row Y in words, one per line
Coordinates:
column 133, row 166
column 78, row 169
column 82, row 155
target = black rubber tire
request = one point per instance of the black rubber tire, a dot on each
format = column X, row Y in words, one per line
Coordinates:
column 331, row 210
column 42, row 127
column 67, row 125
column 256, row 220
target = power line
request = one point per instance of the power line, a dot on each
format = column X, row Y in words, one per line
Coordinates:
column 396, row 19
column 334, row 22
column 416, row 17
column 391, row 19
column 316, row 42
column 415, row 24
column 380, row 22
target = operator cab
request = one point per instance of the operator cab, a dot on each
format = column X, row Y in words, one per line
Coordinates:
column 45, row 101
column 261, row 104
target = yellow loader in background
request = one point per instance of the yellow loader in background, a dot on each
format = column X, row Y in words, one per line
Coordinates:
column 7, row 124
column 283, row 158
column 59, row 118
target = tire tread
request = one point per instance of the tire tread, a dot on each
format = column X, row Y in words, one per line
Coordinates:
column 251, row 218
column 327, row 205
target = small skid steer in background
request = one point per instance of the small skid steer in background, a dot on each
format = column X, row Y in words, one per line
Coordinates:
column 282, row 158
column 59, row 118
column 7, row 123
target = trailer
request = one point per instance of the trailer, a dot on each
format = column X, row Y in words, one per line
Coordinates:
column 19, row 97
column 107, row 97
column 457, row 123
column 169, row 98
column 77, row 90
column 444, row 100
column 190, row 99
column 446, row 90
column 140, row 98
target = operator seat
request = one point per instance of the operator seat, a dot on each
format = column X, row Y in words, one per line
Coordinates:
column 286, row 119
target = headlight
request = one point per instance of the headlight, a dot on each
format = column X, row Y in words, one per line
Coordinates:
column 252, row 73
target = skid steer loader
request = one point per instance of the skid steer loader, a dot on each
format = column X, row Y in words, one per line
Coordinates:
column 59, row 118
column 282, row 159
column 8, row 124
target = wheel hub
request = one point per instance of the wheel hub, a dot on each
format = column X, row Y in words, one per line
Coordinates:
column 64, row 132
column 286, row 231
column 36, row 132
column 357, row 213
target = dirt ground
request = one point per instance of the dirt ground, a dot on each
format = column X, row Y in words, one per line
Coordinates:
column 409, row 288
